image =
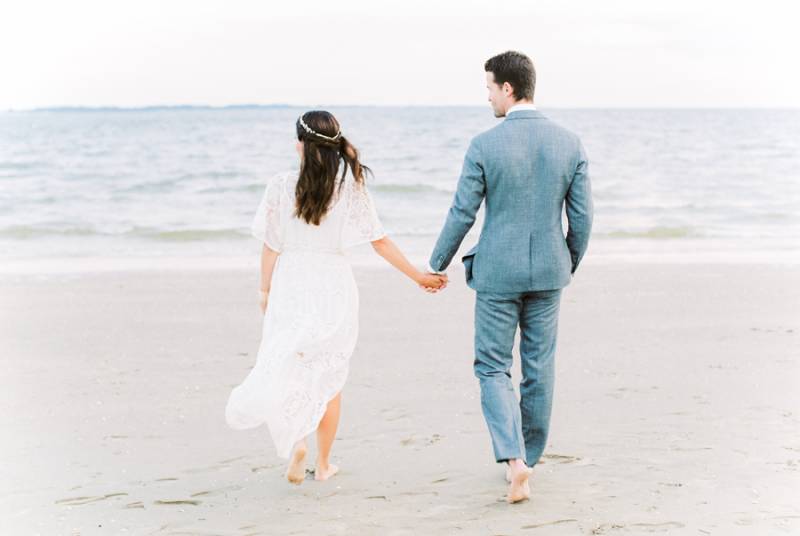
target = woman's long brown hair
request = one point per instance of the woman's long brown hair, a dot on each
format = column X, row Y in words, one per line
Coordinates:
column 320, row 165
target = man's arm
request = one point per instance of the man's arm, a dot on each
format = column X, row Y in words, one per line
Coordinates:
column 469, row 195
column 580, row 210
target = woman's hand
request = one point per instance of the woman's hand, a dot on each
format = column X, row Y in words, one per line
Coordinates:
column 389, row 251
column 263, row 298
column 432, row 282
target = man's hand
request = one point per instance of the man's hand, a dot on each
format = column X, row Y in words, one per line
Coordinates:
column 433, row 283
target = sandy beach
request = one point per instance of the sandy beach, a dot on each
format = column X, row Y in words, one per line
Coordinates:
column 677, row 409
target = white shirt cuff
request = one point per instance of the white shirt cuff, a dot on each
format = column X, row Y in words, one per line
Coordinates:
column 431, row 270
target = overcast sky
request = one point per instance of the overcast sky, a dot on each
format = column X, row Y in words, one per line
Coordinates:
column 410, row 52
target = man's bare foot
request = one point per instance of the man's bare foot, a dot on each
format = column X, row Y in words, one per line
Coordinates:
column 527, row 482
column 296, row 472
column 326, row 473
column 518, row 489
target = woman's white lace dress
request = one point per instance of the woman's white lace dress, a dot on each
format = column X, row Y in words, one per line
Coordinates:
column 311, row 324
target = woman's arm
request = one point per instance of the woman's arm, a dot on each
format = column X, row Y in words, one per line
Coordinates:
column 268, row 259
column 389, row 251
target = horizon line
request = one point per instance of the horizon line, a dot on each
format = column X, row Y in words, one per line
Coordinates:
column 251, row 106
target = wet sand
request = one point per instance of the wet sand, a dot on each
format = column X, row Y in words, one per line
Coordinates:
column 677, row 409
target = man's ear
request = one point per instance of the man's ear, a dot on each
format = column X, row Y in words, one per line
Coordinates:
column 508, row 89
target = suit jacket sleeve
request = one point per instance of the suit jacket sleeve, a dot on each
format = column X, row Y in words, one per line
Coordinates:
column 469, row 195
column 580, row 209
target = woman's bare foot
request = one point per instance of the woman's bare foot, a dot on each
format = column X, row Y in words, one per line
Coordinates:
column 518, row 489
column 296, row 472
column 324, row 473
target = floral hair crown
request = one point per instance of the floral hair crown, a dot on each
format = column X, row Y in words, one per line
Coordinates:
column 315, row 133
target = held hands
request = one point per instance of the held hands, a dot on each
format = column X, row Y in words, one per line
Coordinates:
column 432, row 283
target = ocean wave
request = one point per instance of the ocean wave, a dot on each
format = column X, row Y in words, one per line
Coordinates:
column 31, row 231
column 22, row 232
column 655, row 233
column 162, row 186
column 22, row 165
column 192, row 235
column 410, row 188
column 233, row 188
column 386, row 188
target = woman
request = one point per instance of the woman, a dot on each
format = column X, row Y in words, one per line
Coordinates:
column 308, row 294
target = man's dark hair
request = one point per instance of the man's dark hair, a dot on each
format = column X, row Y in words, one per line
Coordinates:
column 515, row 68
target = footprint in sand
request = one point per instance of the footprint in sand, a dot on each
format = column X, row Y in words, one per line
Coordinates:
column 695, row 449
column 212, row 492
column 435, row 438
column 75, row 501
column 418, row 493
column 213, row 468
column 177, row 501
column 392, row 414
column 549, row 524
column 605, row 527
column 638, row 528
column 561, row 458
column 260, row 468
column 230, row 460
column 658, row 527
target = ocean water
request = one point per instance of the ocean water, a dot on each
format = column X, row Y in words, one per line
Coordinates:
column 184, row 183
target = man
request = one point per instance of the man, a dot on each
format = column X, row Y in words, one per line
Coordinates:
column 526, row 168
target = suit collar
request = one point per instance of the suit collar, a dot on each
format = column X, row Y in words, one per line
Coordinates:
column 525, row 114
column 521, row 106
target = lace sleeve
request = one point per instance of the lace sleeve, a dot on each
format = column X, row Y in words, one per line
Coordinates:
column 362, row 223
column 267, row 224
